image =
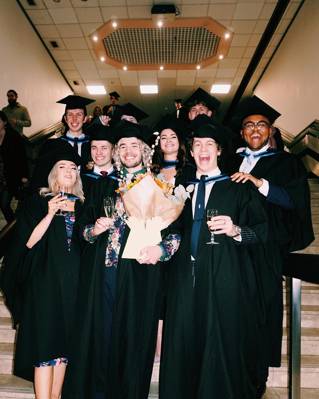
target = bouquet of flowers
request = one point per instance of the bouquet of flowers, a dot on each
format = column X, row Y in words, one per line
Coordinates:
column 151, row 205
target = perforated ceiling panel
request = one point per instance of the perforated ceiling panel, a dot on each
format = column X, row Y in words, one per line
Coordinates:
column 176, row 45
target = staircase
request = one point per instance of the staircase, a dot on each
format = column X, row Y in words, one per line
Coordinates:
column 14, row 387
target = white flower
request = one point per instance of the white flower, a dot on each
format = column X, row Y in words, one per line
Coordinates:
column 190, row 188
column 180, row 193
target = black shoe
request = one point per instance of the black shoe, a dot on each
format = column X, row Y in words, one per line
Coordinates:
column 261, row 389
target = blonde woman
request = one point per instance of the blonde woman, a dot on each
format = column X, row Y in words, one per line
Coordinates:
column 45, row 263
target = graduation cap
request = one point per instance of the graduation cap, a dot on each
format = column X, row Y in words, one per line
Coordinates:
column 256, row 106
column 201, row 96
column 114, row 94
column 75, row 102
column 101, row 133
column 125, row 129
column 177, row 125
column 132, row 110
column 211, row 130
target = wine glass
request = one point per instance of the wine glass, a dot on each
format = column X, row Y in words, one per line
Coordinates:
column 62, row 194
column 109, row 207
column 210, row 213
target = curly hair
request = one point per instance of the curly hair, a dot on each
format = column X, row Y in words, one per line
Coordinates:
column 145, row 150
column 53, row 188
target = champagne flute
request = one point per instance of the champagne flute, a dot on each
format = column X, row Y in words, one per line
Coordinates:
column 62, row 193
column 210, row 213
column 109, row 207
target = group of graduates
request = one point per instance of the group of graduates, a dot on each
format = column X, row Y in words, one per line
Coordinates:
column 87, row 316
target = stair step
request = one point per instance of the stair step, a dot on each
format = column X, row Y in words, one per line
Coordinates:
column 278, row 377
column 15, row 387
column 309, row 316
column 4, row 312
column 309, row 341
column 6, row 358
column 7, row 333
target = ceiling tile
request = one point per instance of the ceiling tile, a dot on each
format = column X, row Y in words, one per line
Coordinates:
column 67, row 65
column 57, row 4
column 147, row 77
column 188, row 11
column 254, row 40
column 267, row 11
column 167, row 74
column 185, row 78
column 139, row 12
column 275, row 39
column 114, row 12
column 88, row 29
column 248, row 10
column 249, row 52
column 39, row 4
column 261, row 26
column 63, row 15
column 244, row 63
column 72, row 74
column 61, row 55
column 142, row 2
column 206, row 73
column 226, row 72
column 89, row 14
column 86, row 3
column 221, row 11
column 40, row 17
column 236, row 52
column 269, row 51
column 47, row 31
column 230, row 62
column 110, row 73
column 240, row 40
column 70, row 30
column 104, row 3
column 128, row 78
column 87, row 69
column 77, row 43
column 243, row 26
column 80, row 55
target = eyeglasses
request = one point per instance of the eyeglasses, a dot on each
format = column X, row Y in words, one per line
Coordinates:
column 261, row 125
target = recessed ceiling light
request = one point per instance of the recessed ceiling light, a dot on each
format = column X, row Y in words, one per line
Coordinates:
column 220, row 88
column 227, row 35
column 149, row 89
column 124, row 68
column 160, row 24
column 197, row 66
column 161, row 67
column 102, row 59
column 221, row 56
column 95, row 38
column 96, row 89
column 114, row 24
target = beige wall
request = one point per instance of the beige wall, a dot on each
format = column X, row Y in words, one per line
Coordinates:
column 291, row 83
column 26, row 67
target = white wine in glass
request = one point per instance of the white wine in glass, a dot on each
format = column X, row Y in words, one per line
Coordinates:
column 210, row 213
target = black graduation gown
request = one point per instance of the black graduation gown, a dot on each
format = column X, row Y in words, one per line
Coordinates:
column 86, row 372
column 209, row 342
column 89, row 178
column 46, row 280
column 289, row 230
column 123, row 367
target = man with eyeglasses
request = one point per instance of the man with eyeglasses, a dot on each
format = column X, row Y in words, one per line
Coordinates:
column 281, row 180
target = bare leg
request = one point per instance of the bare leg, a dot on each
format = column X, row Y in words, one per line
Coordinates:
column 58, row 378
column 43, row 378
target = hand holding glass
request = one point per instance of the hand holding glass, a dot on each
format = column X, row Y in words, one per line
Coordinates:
column 109, row 207
column 63, row 203
column 210, row 213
